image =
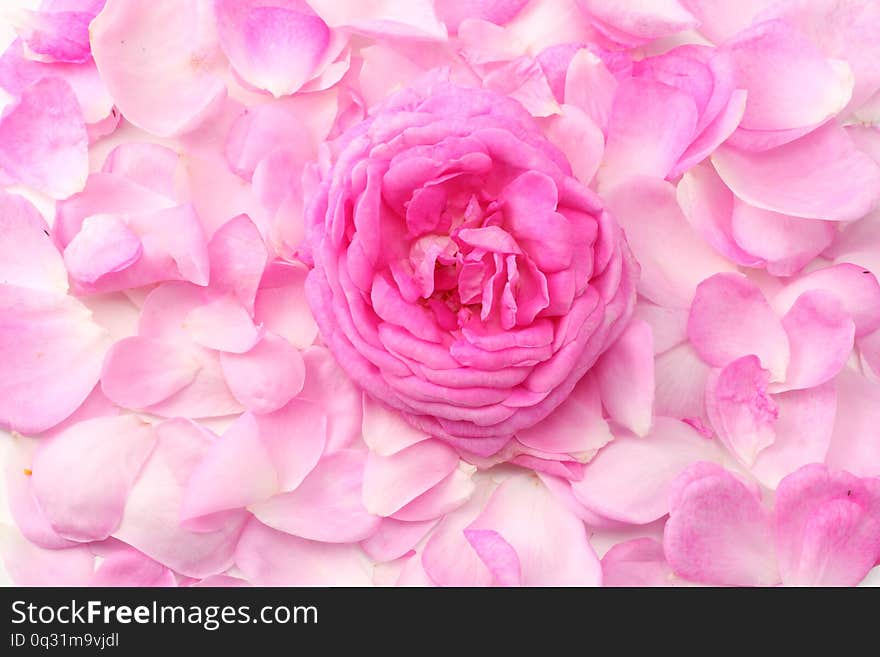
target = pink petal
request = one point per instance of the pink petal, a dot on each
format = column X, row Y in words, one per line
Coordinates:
column 238, row 258
column 156, row 59
column 741, row 411
column 82, row 476
column 295, row 436
column 448, row 558
column 590, row 87
column 637, row 562
column 857, row 290
column 526, row 537
column 28, row 258
column 268, row 557
column 579, row 138
column 681, row 384
column 415, row 18
column 731, row 318
column 151, row 165
column 276, row 48
column 41, row 335
column 718, row 21
column 236, row 470
column 43, row 140
column 855, row 443
column 281, row 305
column 576, row 427
column 390, row 482
column 445, row 497
column 151, row 522
column 650, row 127
column 635, row 23
column 790, row 83
column 499, row 12
column 819, row 176
column 385, row 431
column 139, row 372
column 128, row 567
column 394, row 538
column 803, row 433
column 785, row 243
column 267, row 377
column 820, row 333
column 223, row 324
column 718, row 532
column 629, row 480
column 625, row 374
column 649, row 214
column 30, row 565
column 827, row 527
column 103, row 245
column 263, row 129
column 327, row 505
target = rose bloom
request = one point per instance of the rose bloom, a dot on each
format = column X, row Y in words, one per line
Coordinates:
column 461, row 274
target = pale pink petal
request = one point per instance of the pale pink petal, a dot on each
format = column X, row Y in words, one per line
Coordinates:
column 790, row 83
column 715, row 134
column 731, row 318
column 802, row 433
column 740, row 409
column 104, row 244
column 178, row 233
column 681, row 377
column 857, row 290
column 139, row 372
column 43, row 140
column 28, row 258
column 83, row 497
column 238, row 258
column 151, row 165
column 28, row 564
column 820, row 333
column 295, row 436
column 590, row 86
column 785, row 243
column 649, row 214
column 526, row 537
column 236, row 470
column 855, row 443
column 442, row 499
column 625, row 374
column 629, row 479
column 668, row 325
column 274, row 47
column 394, row 538
column 42, row 335
column 223, row 324
column 637, row 562
column 268, row 557
column 635, row 23
column 327, row 505
column 128, row 567
column 819, row 176
column 650, row 127
column 156, row 58
column 281, row 305
column 385, row 431
column 720, row 20
column 390, row 482
column 267, row 377
column 523, row 80
column 719, row 533
column 499, row 12
column 328, row 388
column 415, row 18
column 576, row 427
column 263, row 129
column 151, row 522
column 827, row 527
column 579, row 138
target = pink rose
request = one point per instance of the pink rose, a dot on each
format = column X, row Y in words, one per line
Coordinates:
column 461, row 274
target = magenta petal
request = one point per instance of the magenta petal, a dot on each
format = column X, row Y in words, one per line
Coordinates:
column 43, row 140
